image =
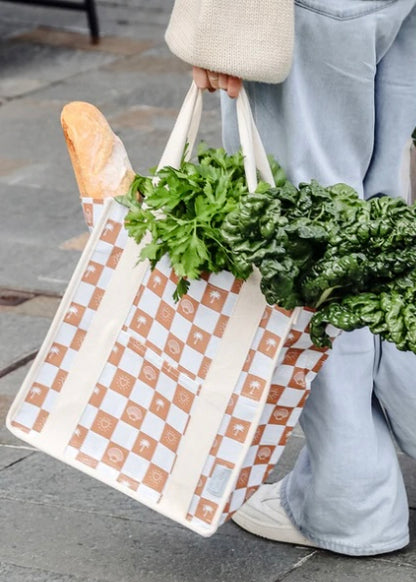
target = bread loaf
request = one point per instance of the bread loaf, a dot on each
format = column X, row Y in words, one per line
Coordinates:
column 99, row 159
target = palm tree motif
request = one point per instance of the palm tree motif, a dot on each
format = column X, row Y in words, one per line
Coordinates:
column 140, row 320
column 54, row 351
column 197, row 337
column 156, row 281
column 114, row 349
column 109, row 227
column 214, row 296
column 271, row 343
column 207, row 511
column 254, row 386
column 144, row 444
column 77, row 432
column 159, row 404
column 35, row 391
column 90, row 270
column 73, row 310
column 237, row 429
column 96, row 390
column 187, row 307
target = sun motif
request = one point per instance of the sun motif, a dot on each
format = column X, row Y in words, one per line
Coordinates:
column 104, row 423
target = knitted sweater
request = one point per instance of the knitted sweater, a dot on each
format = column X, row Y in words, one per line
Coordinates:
column 252, row 39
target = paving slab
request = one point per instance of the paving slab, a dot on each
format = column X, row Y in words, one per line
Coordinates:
column 9, row 386
column 33, row 233
column 13, row 573
column 20, row 336
column 91, row 546
column 12, row 455
column 27, row 66
column 323, row 567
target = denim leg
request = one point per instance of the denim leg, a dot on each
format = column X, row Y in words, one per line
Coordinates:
column 336, row 119
column 346, row 490
column 395, row 387
column 395, row 110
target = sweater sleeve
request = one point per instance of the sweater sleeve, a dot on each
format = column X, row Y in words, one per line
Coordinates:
column 251, row 39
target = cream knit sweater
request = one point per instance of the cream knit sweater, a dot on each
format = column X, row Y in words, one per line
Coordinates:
column 252, row 39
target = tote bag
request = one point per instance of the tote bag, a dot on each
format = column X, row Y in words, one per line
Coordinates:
column 185, row 407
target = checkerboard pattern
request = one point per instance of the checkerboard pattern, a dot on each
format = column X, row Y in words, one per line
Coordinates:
column 69, row 337
column 92, row 209
column 134, row 421
column 139, row 410
column 188, row 333
column 298, row 364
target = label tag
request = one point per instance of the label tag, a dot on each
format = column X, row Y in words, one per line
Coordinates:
column 218, row 480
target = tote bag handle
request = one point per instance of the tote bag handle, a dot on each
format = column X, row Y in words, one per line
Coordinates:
column 186, row 129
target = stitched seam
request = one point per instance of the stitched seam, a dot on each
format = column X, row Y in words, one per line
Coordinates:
column 362, row 12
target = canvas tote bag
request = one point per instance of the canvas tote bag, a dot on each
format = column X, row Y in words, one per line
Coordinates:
column 185, row 407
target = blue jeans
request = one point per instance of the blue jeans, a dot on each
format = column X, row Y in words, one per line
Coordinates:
column 345, row 114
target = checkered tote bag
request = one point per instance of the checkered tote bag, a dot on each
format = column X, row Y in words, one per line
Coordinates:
column 185, row 407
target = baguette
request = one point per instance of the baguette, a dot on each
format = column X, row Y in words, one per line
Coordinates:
column 100, row 162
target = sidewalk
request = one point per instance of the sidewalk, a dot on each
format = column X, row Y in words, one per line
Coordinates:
column 57, row 525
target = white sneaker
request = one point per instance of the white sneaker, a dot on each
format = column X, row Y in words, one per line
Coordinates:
column 264, row 516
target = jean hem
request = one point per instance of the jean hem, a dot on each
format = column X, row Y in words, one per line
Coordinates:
column 336, row 547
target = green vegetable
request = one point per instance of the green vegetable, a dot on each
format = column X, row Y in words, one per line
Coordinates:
column 184, row 211
column 352, row 261
column 325, row 248
column 389, row 312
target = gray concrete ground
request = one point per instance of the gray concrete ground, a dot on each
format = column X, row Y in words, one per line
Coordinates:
column 57, row 525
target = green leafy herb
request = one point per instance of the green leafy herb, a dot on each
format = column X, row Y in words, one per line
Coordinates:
column 184, row 210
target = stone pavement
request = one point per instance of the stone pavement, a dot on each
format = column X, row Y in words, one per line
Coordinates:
column 57, row 525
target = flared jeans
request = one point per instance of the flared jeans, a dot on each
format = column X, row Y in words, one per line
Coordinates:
column 345, row 114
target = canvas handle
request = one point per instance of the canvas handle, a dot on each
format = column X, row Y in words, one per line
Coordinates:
column 186, row 129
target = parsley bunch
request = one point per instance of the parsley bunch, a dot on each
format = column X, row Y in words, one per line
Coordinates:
column 184, row 210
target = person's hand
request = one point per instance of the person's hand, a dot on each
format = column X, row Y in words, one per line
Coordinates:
column 212, row 81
